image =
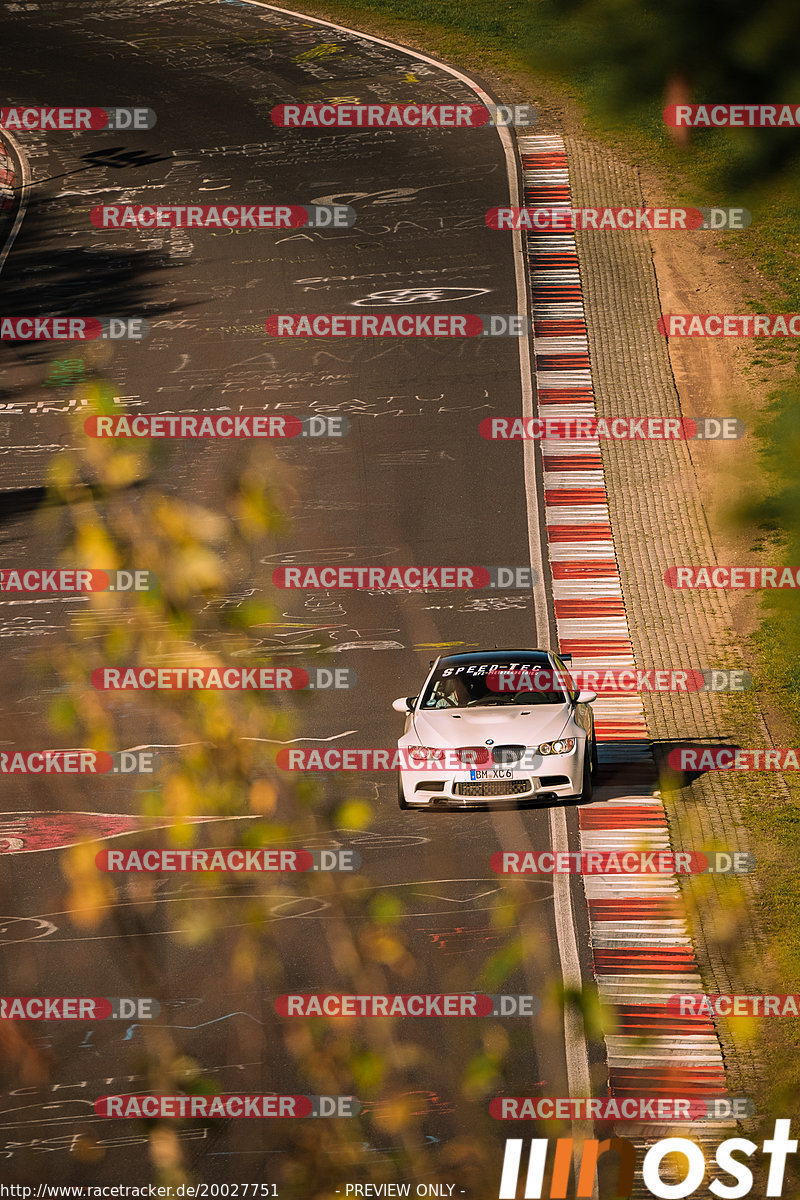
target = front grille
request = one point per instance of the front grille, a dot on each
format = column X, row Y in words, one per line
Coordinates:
column 493, row 787
column 507, row 754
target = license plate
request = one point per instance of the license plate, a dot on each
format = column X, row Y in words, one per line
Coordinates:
column 491, row 774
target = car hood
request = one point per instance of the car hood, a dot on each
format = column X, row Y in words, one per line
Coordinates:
column 472, row 727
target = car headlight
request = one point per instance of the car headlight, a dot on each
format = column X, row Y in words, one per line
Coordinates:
column 424, row 753
column 559, row 746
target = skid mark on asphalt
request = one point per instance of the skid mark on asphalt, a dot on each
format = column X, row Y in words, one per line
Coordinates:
column 41, row 925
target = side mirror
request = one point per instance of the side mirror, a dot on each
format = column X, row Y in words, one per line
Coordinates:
column 587, row 697
column 404, row 704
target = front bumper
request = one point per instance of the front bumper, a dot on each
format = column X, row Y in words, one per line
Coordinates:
column 547, row 778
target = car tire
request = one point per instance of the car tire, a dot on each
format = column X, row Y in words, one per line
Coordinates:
column 595, row 759
column 585, row 794
column 401, row 796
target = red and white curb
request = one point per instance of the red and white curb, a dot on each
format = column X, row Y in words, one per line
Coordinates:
column 641, row 948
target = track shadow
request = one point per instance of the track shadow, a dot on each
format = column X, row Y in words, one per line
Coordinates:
column 17, row 502
column 45, row 276
column 681, row 763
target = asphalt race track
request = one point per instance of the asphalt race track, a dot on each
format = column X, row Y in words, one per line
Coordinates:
column 412, row 482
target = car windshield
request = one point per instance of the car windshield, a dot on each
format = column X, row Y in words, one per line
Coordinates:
column 472, row 685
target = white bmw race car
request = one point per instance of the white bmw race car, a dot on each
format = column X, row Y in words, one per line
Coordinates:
column 498, row 727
